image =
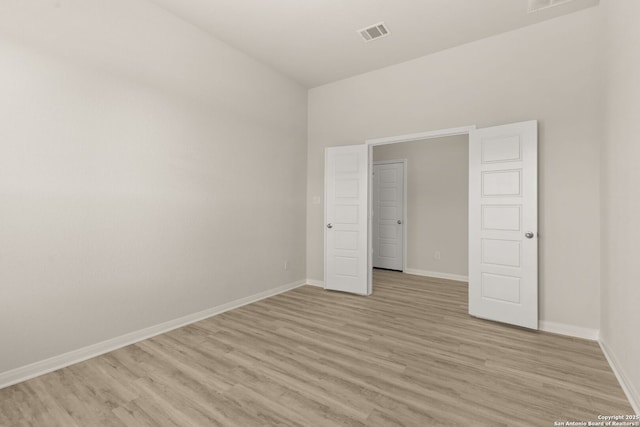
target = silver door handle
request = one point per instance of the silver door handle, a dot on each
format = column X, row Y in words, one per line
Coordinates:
column 399, row 221
column 528, row 235
column 329, row 225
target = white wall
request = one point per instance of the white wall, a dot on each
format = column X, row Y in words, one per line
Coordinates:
column 621, row 192
column 549, row 72
column 147, row 172
column 437, row 202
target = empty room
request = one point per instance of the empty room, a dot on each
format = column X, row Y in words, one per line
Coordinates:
column 319, row 213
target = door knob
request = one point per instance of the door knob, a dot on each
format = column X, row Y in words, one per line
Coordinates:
column 528, row 235
column 329, row 225
column 399, row 221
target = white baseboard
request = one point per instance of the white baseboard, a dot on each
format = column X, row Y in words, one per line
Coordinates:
column 632, row 393
column 437, row 275
column 313, row 282
column 569, row 330
column 24, row 373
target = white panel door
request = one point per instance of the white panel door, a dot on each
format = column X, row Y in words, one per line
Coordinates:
column 388, row 215
column 346, row 220
column 503, row 223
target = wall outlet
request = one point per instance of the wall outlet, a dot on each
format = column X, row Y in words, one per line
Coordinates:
column 286, row 265
column 436, row 255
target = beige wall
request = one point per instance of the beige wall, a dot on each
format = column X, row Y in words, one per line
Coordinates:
column 133, row 195
column 621, row 192
column 548, row 72
column 437, row 202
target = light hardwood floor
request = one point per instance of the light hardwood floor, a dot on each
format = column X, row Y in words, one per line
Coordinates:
column 407, row 356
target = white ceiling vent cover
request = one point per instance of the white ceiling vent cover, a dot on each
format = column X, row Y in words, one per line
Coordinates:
column 374, row 32
column 536, row 5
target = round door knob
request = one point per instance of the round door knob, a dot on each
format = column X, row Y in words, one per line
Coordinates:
column 329, row 225
column 399, row 221
column 528, row 235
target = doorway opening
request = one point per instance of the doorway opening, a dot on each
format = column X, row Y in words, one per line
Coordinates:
column 379, row 149
column 420, row 207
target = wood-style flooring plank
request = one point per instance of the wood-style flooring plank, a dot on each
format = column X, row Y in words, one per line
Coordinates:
column 409, row 355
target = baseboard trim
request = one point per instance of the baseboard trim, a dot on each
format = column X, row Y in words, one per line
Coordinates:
column 569, row 330
column 33, row 370
column 313, row 282
column 633, row 395
column 437, row 275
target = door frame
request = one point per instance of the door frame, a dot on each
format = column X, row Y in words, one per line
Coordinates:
column 463, row 130
column 405, row 223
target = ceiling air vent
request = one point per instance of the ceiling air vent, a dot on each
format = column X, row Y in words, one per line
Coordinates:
column 374, row 32
column 536, row 5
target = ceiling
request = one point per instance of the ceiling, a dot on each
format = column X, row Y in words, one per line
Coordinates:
column 315, row 41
